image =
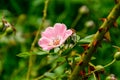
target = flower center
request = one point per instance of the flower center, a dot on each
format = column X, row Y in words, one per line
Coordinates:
column 56, row 42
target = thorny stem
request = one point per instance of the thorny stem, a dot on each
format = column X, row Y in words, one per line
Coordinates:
column 114, row 14
column 35, row 39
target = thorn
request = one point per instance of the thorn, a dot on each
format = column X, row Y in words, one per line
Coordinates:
column 101, row 29
column 115, row 24
column 107, row 36
column 73, row 30
column 82, row 72
column 85, row 46
column 95, row 43
column 103, row 19
column 80, row 63
column 116, row 1
column 90, row 68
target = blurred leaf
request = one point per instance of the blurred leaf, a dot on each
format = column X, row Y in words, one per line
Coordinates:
column 24, row 54
column 41, row 53
column 87, row 39
column 50, row 75
column 61, row 59
column 93, row 58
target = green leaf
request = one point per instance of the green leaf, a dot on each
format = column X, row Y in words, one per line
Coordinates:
column 93, row 58
column 37, row 51
column 24, row 54
column 87, row 39
column 41, row 53
column 50, row 75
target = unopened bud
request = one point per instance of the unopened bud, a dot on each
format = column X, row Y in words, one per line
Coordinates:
column 9, row 30
column 111, row 77
column 83, row 10
column 89, row 24
column 117, row 56
column 99, row 68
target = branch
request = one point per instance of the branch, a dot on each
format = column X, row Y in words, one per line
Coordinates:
column 35, row 39
column 109, row 21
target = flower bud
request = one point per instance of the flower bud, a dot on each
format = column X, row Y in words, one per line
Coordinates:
column 1, row 26
column 9, row 30
column 117, row 56
column 111, row 77
column 83, row 10
column 89, row 24
column 99, row 68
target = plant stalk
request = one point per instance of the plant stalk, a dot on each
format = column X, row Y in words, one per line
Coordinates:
column 110, row 20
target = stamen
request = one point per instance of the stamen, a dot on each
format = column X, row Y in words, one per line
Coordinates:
column 56, row 42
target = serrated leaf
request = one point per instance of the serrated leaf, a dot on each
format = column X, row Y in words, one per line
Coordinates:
column 24, row 54
column 87, row 39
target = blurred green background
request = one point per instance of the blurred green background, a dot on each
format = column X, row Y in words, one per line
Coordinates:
column 26, row 16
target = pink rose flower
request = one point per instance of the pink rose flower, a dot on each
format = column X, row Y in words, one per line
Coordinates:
column 54, row 36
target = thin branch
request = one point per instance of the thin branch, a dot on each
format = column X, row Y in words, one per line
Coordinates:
column 36, row 39
column 114, row 14
column 42, row 76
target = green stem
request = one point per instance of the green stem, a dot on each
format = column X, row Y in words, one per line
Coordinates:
column 114, row 14
column 94, row 76
column 35, row 40
column 76, row 20
column 110, row 63
column 42, row 76
column 92, row 72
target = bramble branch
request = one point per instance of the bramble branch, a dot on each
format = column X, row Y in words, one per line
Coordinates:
column 109, row 21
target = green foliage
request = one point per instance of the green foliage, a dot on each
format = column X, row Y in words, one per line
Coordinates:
column 87, row 39
column 26, row 16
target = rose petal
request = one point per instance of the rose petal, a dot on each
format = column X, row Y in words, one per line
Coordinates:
column 48, row 47
column 49, row 33
column 43, row 41
column 66, row 35
column 59, row 29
